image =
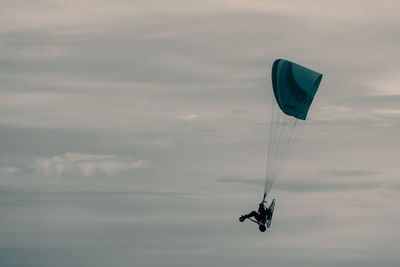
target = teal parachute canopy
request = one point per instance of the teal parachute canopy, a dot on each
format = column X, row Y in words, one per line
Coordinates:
column 294, row 87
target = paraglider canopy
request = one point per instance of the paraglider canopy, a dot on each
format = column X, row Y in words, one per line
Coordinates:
column 294, row 87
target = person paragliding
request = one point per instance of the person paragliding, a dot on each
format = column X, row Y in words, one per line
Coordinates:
column 263, row 217
column 294, row 88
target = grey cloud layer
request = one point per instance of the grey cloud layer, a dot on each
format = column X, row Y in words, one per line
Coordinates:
column 134, row 133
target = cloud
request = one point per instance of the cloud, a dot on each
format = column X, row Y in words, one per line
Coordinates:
column 252, row 181
column 324, row 185
column 359, row 112
column 372, row 101
column 188, row 117
column 395, row 186
column 187, row 87
column 9, row 170
column 85, row 164
column 320, row 184
column 345, row 173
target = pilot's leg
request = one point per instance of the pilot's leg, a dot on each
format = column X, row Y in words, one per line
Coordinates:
column 251, row 214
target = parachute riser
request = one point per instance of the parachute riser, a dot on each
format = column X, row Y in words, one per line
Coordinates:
column 265, row 196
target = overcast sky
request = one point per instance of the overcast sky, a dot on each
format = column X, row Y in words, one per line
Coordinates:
column 134, row 133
